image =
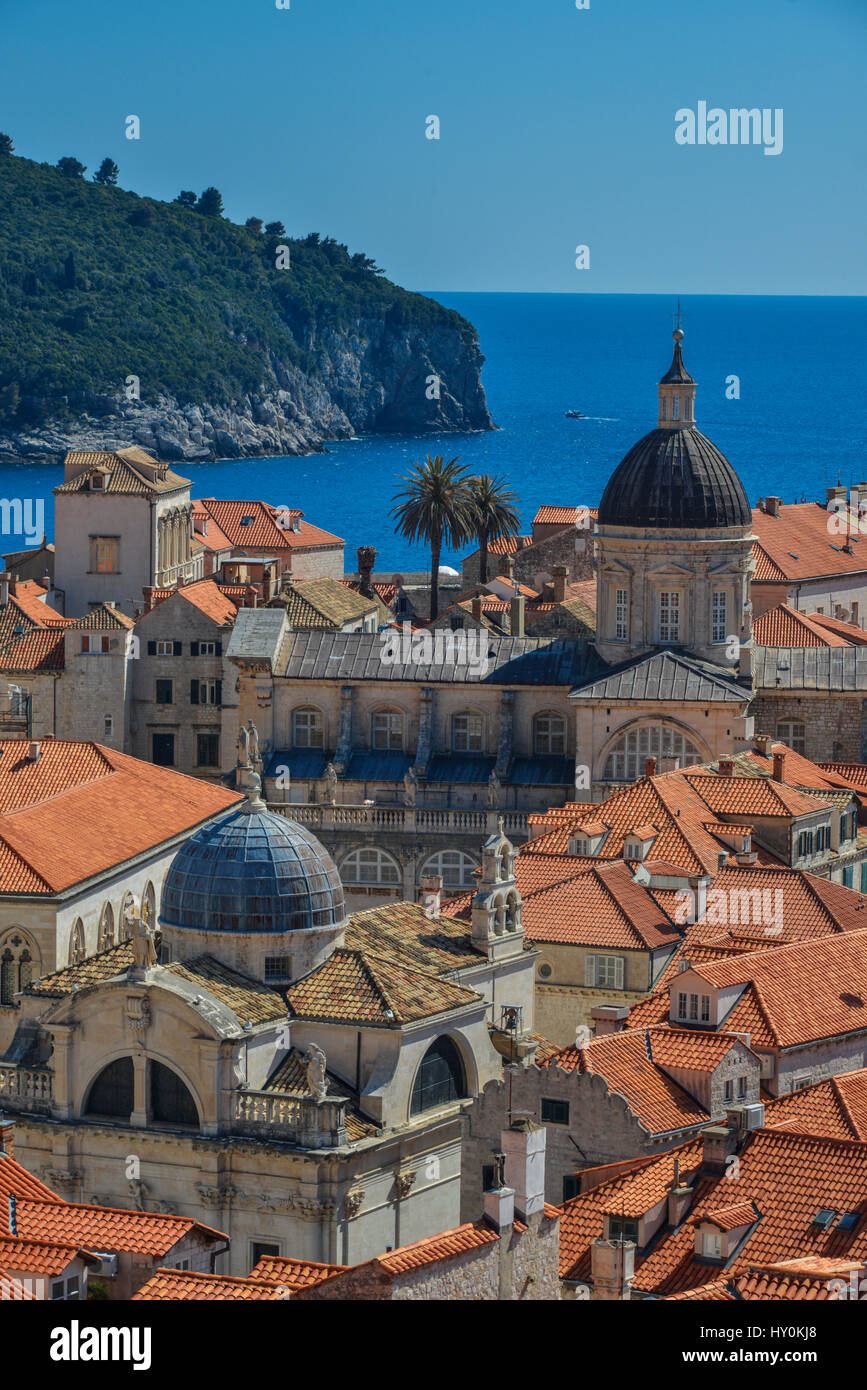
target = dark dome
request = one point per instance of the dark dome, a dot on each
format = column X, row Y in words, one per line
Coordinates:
column 252, row 871
column 675, row 478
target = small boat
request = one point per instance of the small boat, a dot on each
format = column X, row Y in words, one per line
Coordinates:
column 575, row 415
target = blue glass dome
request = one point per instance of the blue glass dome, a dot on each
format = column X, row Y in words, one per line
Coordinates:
column 252, row 871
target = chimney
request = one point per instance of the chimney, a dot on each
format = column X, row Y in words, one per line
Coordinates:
column 524, row 1146
column 516, row 609
column 718, row 1145
column 34, row 753
column 726, row 767
column 748, row 858
column 509, row 567
column 679, row 1198
column 772, row 506
column 650, row 767
column 609, row 1018
column 4, row 588
column 612, row 1268
column 560, row 575
column 763, row 744
column 430, row 895
column 366, row 556
column 476, row 607
column 721, row 858
column 699, row 884
column 46, row 580
column 7, row 1138
column 499, row 1200
column 779, row 773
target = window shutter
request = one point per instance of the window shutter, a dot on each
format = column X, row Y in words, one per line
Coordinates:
column 219, row 700
column 194, row 692
column 618, row 973
column 590, row 970
column 194, row 649
column 152, row 648
column 179, row 647
column 218, row 649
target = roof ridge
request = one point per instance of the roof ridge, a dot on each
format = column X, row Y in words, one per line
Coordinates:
column 843, row 1104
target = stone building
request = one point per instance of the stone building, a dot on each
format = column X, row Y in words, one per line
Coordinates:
column 293, row 1078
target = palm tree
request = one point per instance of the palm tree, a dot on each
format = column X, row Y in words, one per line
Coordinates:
column 494, row 515
column 435, row 504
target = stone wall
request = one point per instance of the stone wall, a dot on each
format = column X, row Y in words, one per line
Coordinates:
column 534, row 564
column 835, row 723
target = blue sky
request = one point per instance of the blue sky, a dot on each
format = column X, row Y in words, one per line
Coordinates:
column 557, row 129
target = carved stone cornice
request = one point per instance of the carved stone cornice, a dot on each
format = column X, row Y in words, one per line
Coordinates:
column 403, row 1184
column 352, row 1203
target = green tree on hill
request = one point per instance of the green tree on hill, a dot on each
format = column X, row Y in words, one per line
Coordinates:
column 275, row 229
column 71, row 166
column 6, row 146
column 187, row 198
column 255, row 224
column 107, row 173
column 68, row 280
column 211, row 203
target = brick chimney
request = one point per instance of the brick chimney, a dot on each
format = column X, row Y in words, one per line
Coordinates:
column 366, row 556
column 430, row 895
column 772, row 506
column 763, row 744
column 612, row 1269
column 679, row 1198
column 524, row 1146
column 560, row 576
column 718, row 1144
column 650, row 767
column 609, row 1018
column 516, row 610
column 779, row 773
column 476, row 608
column 726, row 767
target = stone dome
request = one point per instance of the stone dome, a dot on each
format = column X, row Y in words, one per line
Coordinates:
column 252, row 871
column 675, row 479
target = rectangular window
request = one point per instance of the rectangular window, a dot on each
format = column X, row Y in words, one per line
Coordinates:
column 623, row 1228
column 107, row 726
column 93, row 642
column 208, row 750
column 621, row 614
column 206, row 692
column 487, row 1177
column 277, row 970
column 681, row 1005
column 711, row 1245
column 66, row 1288
column 259, row 1249
column 705, row 1008
column 729, row 1091
column 719, row 616
column 571, row 1186
column 555, row 1112
column 104, row 554
column 742, row 1087
column 164, row 693
column 163, row 746
column 693, row 1007
column 164, row 648
column 669, row 616
column 550, row 735
column 207, row 649
column 608, row 971
column 387, row 730
column 467, row 731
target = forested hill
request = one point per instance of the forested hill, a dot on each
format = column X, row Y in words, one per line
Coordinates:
column 233, row 354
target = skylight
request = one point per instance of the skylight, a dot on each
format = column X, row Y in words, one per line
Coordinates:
column 824, row 1218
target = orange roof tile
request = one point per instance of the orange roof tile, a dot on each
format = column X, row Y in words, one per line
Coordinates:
column 471, row 1236
column 38, row 649
column 294, row 1274
column 106, row 1228
column 15, row 1181
column 726, row 1218
column 356, row 986
column 799, row 544
column 181, row 1285
column 205, row 594
column 38, row 1256
column 29, row 597
column 836, row 1107
column 786, row 627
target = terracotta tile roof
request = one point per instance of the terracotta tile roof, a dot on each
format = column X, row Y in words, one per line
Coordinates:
column 263, row 532
column 207, row 595
column 355, row 986
column 726, row 1218
column 786, row 627
column 749, row 796
column 805, row 991
column 125, row 475
column 836, row 1108
column 403, row 933
column 38, row 649
column 790, row 1281
column 178, row 1285
column 444, row 1245
column 386, row 592
column 17, row 1182
column 211, row 538
column 102, row 618
column 788, row 1176
column 294, row 1274
column 107, row 1228
column 250, row 1001
column 103, row 966
column 766, row 570
column 290, row 1078
column 657, row 1101
column 855, row 635
column 38, row 1256
column 853, row 774
column 599, row 907
column 13, row 1290
column 800, row 545
column 28, row 598
column 324, row 602
column 83, row 808
column 514, row 585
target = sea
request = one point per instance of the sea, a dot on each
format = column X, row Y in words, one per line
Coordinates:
column 782, row 390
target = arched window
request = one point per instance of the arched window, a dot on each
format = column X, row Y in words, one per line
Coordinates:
column 113, row 1090
column 468, row 732
column 793, row 732
column 149, row 906
column 440, row 1078
column 549, row 734
column 386, row 729
column 106, row 928
column 675, row 414
column 76, row 942
column 16, row 964
column 456, row 869
column 625, row 761
column 308, row 730
column 369, row 866
column 171, row 1101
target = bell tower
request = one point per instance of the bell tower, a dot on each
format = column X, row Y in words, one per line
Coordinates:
column 496, row 925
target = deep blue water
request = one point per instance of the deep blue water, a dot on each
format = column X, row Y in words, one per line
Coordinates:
column 800, row 422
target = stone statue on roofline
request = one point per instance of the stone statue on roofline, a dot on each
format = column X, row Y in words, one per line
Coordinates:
column 330, row 796
column 243, row 747
column 410, row 787
column 316, row 1078
column 495, row 787
column 144, row 952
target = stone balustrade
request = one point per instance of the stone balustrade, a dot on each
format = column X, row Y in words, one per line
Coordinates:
column 407, row 819
column 301, row 1120
column 27, row 1088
